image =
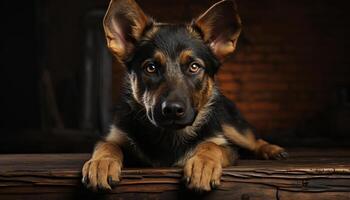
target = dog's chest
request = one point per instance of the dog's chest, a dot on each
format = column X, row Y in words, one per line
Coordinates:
column 159, row 149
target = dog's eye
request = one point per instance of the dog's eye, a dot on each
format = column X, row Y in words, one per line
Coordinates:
column 150, row 67
column 194, row 68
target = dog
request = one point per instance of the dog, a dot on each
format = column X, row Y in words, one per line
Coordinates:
column 171, row 112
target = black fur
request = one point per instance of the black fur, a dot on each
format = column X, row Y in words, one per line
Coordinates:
column 159, row 146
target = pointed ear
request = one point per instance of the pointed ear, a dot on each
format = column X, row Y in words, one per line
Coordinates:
column 220, row 26
column 124, row 24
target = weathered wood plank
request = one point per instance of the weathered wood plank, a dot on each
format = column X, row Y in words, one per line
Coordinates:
column 304, row 176
column 319, row 196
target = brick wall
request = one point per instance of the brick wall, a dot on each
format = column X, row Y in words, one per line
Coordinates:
column 291, row 59
column 292, row 63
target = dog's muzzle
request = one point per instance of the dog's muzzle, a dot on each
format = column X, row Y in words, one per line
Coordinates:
column 174, row 115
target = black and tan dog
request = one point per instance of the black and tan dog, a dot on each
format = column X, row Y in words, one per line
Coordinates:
column 171, row 112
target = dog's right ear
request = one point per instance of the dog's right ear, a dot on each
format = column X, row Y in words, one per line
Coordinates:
column 124, row 24
column 220, row 26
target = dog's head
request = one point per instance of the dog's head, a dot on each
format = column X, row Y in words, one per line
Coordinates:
column 171, row 67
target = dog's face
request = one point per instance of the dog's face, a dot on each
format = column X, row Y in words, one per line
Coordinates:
column 171, row 70
column 171, row 67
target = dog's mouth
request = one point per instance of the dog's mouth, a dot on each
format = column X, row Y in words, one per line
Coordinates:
column 172, row 124
column 177, row 124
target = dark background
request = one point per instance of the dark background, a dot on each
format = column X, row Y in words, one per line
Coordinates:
column 289, row 76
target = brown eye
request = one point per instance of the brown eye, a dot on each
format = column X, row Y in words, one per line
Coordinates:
column 194, row 68
column 150, row 68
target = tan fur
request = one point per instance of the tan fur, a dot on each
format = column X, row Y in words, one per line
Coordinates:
column 202, row 97
column 244, row 140
column 223, row 49
column 203, row 170
column 222, row 43
column 160, row 57
column 106, row 162
column 115, row 42
column 267, row 151
column 218, row 140
column 248, row 141
column 185, row 56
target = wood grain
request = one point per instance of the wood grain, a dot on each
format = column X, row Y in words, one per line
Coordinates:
column 308, row 175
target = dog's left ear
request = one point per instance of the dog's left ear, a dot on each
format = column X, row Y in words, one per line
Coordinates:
column 220, row 26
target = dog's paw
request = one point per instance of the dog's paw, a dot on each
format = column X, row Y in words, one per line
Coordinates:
column 271, row 151
column 202, row 173
column 101, row 174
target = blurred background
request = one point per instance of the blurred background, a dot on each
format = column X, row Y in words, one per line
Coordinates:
column 290, row 75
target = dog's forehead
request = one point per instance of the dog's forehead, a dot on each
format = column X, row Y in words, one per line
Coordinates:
column 174, row 43
column 174, row 39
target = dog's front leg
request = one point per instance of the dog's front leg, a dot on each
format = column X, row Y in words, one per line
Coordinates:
column 102, row 171
column 203, row 170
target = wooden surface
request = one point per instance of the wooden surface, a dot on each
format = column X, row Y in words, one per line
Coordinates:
column 308, row 174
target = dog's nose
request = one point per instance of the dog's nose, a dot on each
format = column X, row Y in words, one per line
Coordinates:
column 173, row 110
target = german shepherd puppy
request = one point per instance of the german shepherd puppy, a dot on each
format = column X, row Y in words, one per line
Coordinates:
column 172, row 113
